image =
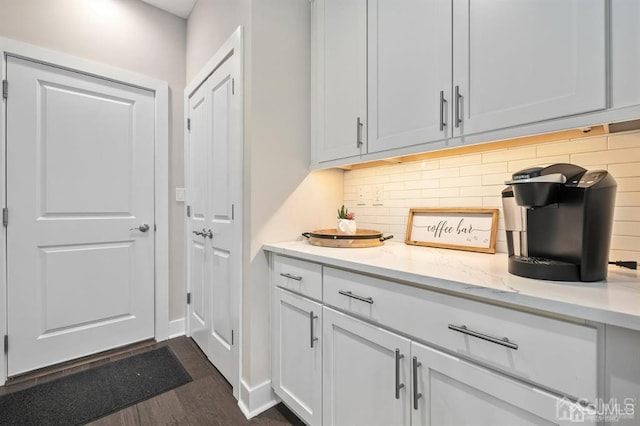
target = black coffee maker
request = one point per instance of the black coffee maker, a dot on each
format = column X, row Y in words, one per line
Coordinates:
column 558, row 220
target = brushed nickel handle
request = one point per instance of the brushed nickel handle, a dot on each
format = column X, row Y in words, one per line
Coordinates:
column 458, row 96
column 399, row 385
column 499, row 341
column 416, row 395
column 368, row 300
column 311, row 318
column 359, row 132
column 198, row 233
column 142, row 228
column 293, row 277
column 443, row 102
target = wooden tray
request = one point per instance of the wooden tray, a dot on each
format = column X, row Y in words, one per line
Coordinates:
column 331, row 238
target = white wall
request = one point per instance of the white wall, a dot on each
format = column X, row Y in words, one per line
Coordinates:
column 476, row 180
column 128, row 34
column 282, row 198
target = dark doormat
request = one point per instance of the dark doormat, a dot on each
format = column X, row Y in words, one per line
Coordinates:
column 88, row 395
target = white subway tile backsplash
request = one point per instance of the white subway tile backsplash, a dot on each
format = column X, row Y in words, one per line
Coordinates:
column 612, row 156
column 515, row 166
column 510, row 154
column 625, row 169
column 477, row 180
column 624, row 140
column 573, row 146
column 631, row 229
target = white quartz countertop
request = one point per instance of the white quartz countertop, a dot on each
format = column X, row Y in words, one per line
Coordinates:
column 615, row 301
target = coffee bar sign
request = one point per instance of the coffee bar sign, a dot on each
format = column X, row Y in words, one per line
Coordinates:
column 460, row 229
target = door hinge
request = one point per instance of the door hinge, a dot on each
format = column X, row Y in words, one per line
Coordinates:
column 233, row 86
column 188, row 124
column 6, row 343
column 232, row 337
column 5, row 89
column 155, row 228
column 5, row 216
column 188, row 298
column 188, row 211
column 233, row 211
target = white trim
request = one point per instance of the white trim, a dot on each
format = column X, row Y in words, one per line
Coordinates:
column 256, row 400
column 161, row 89
column 232, row 46
column 176, row 328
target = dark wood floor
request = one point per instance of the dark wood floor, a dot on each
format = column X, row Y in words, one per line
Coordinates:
column 207, row 400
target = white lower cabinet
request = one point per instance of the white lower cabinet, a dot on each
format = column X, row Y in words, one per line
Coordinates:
column 370, row 351
column 297, row 354
column 375, row 377
column 365, row 373
column 447, row 390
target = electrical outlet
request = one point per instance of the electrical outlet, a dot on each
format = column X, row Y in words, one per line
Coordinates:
column 362, row 196
column 378, row 195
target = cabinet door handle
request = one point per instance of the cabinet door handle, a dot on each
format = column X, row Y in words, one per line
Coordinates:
column 293, row 277
column 443, row 102
column 503, row 342
column 368, row 300
column 311, row 338
column 359, row 132
column 399, row 385
column 416, row 395
column 458, row 96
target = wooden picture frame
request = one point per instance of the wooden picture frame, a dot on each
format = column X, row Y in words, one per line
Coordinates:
column 454, row 228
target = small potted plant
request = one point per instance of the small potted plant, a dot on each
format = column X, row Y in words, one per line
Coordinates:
column 346, row 221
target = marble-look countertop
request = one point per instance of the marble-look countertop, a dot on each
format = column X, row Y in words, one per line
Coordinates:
column 615, row 301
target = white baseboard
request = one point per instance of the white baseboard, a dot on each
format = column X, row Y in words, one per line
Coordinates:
column 254, row 401
column 176, row 328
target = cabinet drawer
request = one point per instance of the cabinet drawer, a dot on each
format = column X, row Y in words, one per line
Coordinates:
column 556, row 354
column 298, row 276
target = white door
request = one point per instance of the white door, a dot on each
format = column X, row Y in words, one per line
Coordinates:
column 341, row 78
column 297, row 354
column 409, row 72
column 452, row 392
column 518, row 62
column 365, row 373
column 80, row 196
column 214, row 194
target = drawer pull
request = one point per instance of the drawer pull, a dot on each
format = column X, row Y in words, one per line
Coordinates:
column 368, row 300
column 503, row 342
column 311, row 318
column 399, row 385
column 416, row 395
column 293, row 277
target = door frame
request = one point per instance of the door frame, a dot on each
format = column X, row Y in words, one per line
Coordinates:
column 161, row 166
column 232, row 46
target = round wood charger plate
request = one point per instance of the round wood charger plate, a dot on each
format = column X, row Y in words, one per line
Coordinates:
column 331, row 238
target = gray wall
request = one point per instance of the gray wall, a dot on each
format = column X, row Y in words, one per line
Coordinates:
column 127, row 34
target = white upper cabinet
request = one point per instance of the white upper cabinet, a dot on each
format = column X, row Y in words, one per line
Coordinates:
column 518, row 62
column 340, row 81
column 625, row 53
column 409, row 72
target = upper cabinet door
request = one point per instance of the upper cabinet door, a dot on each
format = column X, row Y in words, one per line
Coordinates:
column 625, row 53
column 409, row 72
column 340, row 80
column 518, row 62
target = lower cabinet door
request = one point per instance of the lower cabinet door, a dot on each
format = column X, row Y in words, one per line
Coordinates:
column 297, row 354
column 365, row 373
column 447, row 390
